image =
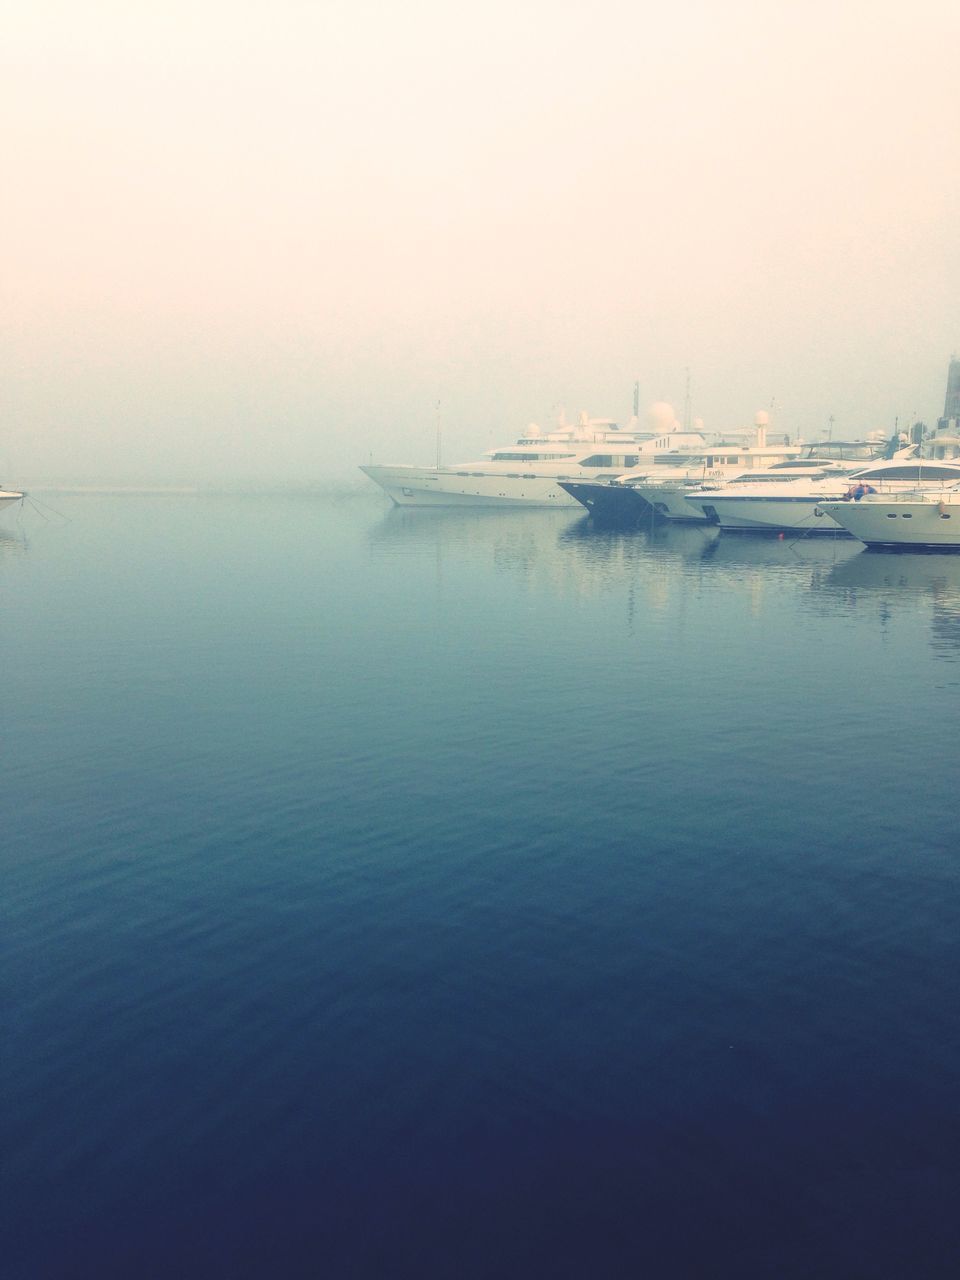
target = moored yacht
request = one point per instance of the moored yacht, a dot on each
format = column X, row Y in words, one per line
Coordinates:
column 798, row 506
column 666, row 491
column 913, row 519
column 669, row 496
column 529, row 473
column 624, row 499
column 621, row 501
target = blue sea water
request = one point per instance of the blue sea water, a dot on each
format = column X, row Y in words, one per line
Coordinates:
column 412, row 894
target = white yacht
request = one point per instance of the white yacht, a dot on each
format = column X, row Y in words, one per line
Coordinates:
column 670, row 493
column 629, row 497
column 912, row 519
column 9, row 498
column 797, row 506
column 663, row 490
column 529, row 472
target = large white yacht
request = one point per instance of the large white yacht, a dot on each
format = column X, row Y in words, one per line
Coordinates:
column 662, row 485
column 798, row 505
column 669, row 495
column 662, row 490
column 9, row 498
column 529, row 472
column 912, row 519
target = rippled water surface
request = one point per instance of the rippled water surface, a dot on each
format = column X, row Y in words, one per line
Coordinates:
column 444, row 894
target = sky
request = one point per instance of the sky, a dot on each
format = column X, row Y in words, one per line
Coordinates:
column 260, row 243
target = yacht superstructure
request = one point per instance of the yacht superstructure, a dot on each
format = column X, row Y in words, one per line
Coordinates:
column 529, row 472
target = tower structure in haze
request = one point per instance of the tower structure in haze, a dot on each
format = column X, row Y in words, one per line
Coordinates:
column 951, row 405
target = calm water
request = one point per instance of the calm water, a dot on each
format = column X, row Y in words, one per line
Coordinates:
column 421, row 894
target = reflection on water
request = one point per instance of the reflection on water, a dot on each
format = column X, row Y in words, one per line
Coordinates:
column 477, row 869
column 649, row 568
column 12, row 543
column 568, row 554
column 890, row 584
column 897, row 575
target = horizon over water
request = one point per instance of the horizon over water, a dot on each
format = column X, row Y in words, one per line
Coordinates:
column 435, row 893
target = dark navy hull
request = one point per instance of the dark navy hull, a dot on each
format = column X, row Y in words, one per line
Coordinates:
column 609, row 503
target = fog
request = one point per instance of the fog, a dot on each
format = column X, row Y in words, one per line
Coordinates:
column 260, row 243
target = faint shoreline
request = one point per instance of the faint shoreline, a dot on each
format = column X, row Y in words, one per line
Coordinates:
column 346, row 488
column 102, row 489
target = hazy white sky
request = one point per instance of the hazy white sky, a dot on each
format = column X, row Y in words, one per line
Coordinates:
column 252, row 239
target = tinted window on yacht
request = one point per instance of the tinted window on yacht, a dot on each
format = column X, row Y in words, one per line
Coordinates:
column 530, row 457
column 834, row 449
column 924, row 471
column 610, row 460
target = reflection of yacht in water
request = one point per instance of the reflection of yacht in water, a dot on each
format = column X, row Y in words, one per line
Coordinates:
column 896, row 584
column 528, row 473
column 11, row 544
column 774, row 553
column 909, row 575
column 565, row 554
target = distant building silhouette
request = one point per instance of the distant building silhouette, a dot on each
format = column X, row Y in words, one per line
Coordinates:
column 951, row 405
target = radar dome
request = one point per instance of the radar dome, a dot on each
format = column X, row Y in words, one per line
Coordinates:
column 661, row 416
column 762, row 418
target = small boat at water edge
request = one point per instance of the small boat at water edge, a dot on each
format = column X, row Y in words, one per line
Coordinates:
column 906, row 521
column 9, row 499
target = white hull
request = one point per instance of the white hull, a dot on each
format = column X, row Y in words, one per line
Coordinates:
column 429, row 487
column 670, row 501
column 499, row 484
column 802, row 506
column 752, row 498
column 8, row 500
column 766, row 514
column 907, row 522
